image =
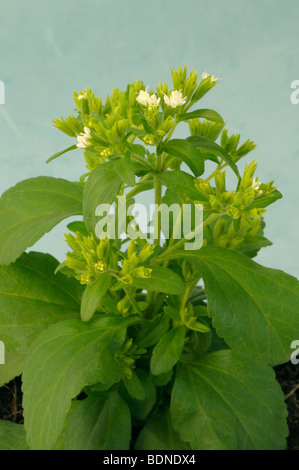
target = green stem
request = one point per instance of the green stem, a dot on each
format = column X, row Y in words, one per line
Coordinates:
column 183, row 240
column 142, row 161
column 219, row 168
column 158, row 199
column 133, row 301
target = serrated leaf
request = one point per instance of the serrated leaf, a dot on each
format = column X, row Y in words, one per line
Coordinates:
column 101, row 187
column 32, row 297
column 65, row 358
column 254, row 308
column 186, row 152
column 100, row 422
column 32, row 208
column 229, row 401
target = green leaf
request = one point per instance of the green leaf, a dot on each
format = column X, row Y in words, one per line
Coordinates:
column 93, row 294
column 78, row 226
column 161, row 280
column 32, row 208
column 264, row 201
column 186, row 152
column 158, row 434
column 31, row 299
column 228, row 401
column 254, row 308
column 56, row 155
column 65, row 358
column 168, row 350
column 100, row 422
column 151, row 331
column 204, row 143
column 102, row 187
column 208, row 114
column 182, row 183
column 134, row 386
column 140, row 409
column 125, row 169
column 12, row 436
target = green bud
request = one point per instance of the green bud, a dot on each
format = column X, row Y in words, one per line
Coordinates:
column 215, row 203
column 142, row 272
column 220, row 182
column 233, row 212
column 127, row 279
column 149, row 139
column 218, row 228
column 84, row 279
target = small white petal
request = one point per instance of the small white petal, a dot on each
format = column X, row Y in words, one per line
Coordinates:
column 205, row 75
column 255, row 185
column 81, row 96
column 153, row 100
column 143, row 97
column 83, row 138
column 176, row 99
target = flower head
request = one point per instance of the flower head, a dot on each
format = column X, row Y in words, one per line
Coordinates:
column 83, row 138
column 256, row 185
column 153, row 101
column 175, row 99
column 143, row 97
column 206, row 75
column 146, row 99
column 82, row 95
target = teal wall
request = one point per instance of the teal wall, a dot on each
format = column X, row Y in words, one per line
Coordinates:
column 48, row 48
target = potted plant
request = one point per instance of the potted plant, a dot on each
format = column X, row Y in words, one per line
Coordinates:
column 155, row 337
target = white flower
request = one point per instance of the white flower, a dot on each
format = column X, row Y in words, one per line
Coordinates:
column 82, row 95
column 153, row 100
column 146, row 99
column 175, row 99
column 143, row 97
column 205, row 75
column 256, row 185
column 83, row 138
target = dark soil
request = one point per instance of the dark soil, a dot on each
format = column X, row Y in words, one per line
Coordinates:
column 286, row 374
column 288, row 377
column 11, row 401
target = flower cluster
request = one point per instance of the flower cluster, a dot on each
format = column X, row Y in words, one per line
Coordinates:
column 134, row 266
column 174, row 100
column 89, row 257
column 240, row 210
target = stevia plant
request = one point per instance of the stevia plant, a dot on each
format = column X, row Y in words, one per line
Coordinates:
column 134, row 343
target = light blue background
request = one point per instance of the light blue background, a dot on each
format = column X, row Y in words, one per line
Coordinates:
column 48, row 48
